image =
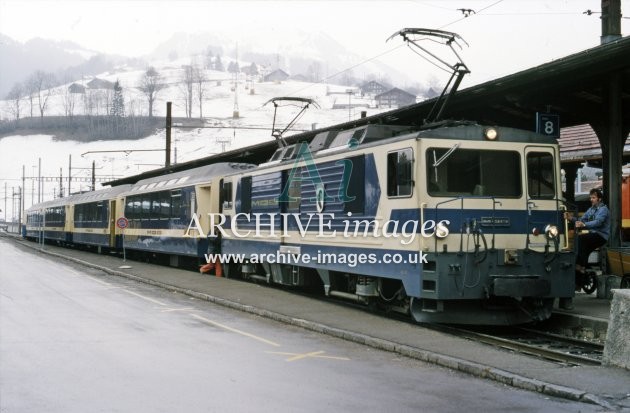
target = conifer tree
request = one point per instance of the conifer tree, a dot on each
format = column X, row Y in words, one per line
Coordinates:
column 118, row 102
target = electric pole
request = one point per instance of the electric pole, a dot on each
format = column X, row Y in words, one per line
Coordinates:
column 235, row 112
column 167, row 161
column 69, row 175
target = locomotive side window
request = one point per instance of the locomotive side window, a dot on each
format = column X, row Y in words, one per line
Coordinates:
column 356, row 186
column 295, row 191
column 226, row 195
column 246, row 195
column 540, row 175
column 473, row 172
column 400, row 173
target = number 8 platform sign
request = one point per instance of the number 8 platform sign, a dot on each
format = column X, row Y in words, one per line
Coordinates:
column 548, row 124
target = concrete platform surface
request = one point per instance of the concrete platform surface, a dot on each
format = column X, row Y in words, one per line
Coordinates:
column 606, row 386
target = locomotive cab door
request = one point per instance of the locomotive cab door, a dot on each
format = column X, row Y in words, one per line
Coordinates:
column 542, row 190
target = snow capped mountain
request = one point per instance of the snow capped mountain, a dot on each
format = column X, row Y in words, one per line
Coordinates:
column 18, row 60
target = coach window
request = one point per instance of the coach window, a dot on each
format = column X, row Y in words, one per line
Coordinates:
column 128, row 209
column 146, row 207
column 137, row 207
column 540, row 175
column 193, row 204
column 165, row 205
column 400, row 173
column 155, row 206
column 100, row 212
column 176, row 204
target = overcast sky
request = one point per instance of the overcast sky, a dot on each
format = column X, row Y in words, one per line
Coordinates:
column 504, row 36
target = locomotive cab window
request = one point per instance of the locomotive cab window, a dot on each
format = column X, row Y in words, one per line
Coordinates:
column 540, row 175
column 400, row 173
column 473, row 172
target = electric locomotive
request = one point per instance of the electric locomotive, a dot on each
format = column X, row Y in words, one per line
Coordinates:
column 456, row 224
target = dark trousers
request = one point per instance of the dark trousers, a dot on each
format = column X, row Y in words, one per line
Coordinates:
column 587, row 243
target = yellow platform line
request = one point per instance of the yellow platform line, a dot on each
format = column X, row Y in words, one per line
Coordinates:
column 234, row 330
column 313, row 354
column 145, row 298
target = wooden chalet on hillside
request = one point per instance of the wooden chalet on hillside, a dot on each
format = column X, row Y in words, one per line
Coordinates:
column 277, row 75
column 372, row 88
column 395, row 98
column 97, row 83
column 76, row 88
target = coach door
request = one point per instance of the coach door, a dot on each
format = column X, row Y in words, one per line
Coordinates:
column 112, row 223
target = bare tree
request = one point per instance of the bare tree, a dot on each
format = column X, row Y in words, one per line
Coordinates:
column 186, row 88
column 69, row 99
column 42, row 83
column 313, row 72
column 15, row 99
column 30, row 89
column 150, row 84
column 88, row 102
column 200, row 79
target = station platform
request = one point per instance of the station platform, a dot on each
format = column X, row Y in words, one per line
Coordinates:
column 587, row 320
column 607, row 387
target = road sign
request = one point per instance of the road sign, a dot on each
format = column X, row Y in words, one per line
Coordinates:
column 548, row 124
column 122, row 222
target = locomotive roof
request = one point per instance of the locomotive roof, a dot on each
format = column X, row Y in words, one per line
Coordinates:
column 188, row 177
column 476, row 133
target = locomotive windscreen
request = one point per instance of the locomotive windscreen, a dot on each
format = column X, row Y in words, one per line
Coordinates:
column 473, row 172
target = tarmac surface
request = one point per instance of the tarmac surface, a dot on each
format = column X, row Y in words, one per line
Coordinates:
column 608, row 387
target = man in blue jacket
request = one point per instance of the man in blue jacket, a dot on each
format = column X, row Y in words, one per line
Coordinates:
column 596, row 222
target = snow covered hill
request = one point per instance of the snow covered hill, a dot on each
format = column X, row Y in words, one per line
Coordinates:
column 188, row 144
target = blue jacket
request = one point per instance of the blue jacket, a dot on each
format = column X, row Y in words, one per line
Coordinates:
column 597, row 219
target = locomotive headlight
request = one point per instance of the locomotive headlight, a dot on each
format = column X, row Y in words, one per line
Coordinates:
column 441, row 230
column 551, row 232
column 491, row 134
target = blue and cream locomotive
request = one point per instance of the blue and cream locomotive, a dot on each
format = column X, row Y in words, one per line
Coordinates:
column 455, row 224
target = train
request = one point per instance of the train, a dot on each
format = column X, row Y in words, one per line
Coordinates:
column 454, row 222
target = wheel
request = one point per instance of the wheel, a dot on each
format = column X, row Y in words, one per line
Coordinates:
column 590, row 284
column 625, row 282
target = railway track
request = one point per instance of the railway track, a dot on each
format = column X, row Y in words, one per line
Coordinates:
column 541, row 344
column 564, row 350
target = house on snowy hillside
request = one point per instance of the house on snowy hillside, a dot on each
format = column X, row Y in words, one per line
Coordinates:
column 277, row 75
column 372, row 88
column 395, row 98
column 76, row 88
column 97, row 83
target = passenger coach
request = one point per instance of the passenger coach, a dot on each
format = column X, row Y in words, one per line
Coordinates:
column 160, row 211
